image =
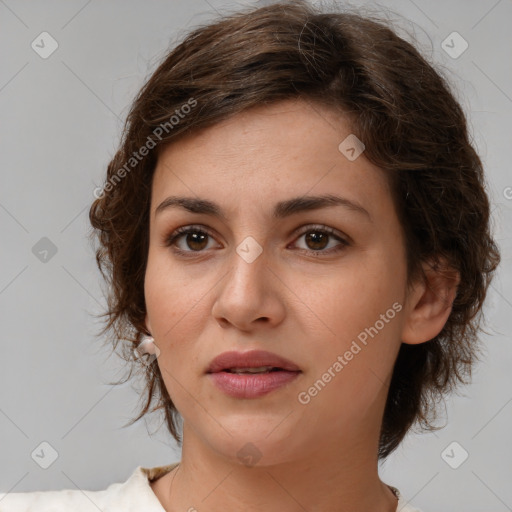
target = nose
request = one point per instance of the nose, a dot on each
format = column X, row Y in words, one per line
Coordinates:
column 250, row 294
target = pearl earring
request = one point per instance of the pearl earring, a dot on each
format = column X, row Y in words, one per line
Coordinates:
column 147, row 346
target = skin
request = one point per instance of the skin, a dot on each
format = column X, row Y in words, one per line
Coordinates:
column 319, row 456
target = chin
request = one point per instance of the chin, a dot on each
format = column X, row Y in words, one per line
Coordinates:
column 257, row 446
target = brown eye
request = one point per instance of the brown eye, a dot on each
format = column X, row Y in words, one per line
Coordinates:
column 191, row 239
column 316, row 240
column 196, row 241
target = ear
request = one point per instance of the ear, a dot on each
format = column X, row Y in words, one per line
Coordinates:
column 429, row 302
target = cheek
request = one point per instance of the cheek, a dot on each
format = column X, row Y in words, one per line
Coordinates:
column 357, row 316
column 351, row 371
column 172, row 296
column 173, row 315
column 353, row 298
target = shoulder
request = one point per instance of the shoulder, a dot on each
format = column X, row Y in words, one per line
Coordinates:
column 134, row 494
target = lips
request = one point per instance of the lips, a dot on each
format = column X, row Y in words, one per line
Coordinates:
column 234, row 361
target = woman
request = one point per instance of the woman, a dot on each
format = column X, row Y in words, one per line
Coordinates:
column 296, row 231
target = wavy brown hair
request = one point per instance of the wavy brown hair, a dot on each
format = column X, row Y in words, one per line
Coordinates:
column 399, row 105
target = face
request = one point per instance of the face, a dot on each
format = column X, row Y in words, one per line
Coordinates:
column 322, row 284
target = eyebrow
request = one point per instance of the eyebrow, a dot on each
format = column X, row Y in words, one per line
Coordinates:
column 281, row 210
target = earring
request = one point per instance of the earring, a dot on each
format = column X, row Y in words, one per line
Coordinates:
column 147, row 346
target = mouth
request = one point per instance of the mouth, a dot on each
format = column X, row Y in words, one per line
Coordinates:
column 254, row 361
column 253, row 371
column 250, row 384
column 251, row 374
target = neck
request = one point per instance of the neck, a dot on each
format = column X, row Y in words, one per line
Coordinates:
column 339, row 478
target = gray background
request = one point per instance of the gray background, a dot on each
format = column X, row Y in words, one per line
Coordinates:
column 60, row 122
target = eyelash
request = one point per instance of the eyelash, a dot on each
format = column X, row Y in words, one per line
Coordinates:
column 178, row 233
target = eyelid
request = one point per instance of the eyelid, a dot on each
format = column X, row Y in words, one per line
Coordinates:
column 181, row 231
column 322, row 227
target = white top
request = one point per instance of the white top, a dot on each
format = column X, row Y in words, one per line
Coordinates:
column 134, row 495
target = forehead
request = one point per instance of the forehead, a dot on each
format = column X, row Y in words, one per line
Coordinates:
column 286, row 149
column 294, row 127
